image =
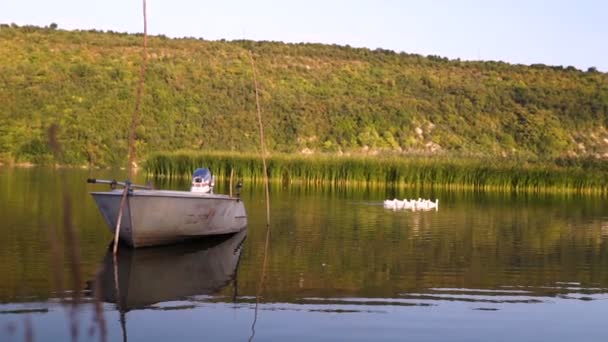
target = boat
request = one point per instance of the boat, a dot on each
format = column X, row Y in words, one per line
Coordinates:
column 140, row 278
column 157, row 217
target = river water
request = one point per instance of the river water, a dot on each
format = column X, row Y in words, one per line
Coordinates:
column 335, row 265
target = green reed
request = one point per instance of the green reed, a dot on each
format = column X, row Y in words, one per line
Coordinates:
column 395, row 171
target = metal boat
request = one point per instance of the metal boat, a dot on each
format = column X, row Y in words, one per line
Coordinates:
column 157, row 217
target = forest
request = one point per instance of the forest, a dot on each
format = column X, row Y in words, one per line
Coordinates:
column 315, row 99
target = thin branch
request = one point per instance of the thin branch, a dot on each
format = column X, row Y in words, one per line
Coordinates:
column 139, row 95
column 267, row 243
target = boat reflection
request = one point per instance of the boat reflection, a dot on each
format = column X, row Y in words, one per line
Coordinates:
column 152, row 275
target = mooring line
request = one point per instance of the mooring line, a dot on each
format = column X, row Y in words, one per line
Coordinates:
column 267, row 194
column 262, row 144
column 134, row 122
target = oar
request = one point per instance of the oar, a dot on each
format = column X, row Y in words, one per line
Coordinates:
column 113, row 183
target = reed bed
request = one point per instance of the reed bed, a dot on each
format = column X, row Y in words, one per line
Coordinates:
column 392, row 171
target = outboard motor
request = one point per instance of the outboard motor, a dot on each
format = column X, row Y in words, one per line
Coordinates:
column 202, row 181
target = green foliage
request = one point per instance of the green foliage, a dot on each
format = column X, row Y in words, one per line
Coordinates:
column 565, row 175
column 324, row 98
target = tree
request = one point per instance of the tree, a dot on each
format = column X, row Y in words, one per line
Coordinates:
column 592, row 69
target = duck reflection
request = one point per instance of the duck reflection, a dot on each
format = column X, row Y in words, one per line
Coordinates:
column 152, row 275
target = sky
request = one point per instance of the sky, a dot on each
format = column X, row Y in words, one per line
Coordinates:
column 558, row 32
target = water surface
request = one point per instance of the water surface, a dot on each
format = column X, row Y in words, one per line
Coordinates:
column 338, row 266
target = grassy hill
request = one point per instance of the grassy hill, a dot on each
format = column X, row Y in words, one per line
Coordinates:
column 321, row 98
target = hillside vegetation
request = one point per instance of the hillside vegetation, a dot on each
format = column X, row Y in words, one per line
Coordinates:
column 199, row 95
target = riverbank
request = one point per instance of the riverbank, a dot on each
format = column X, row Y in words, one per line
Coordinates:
column 315, row 98
column 491, row 174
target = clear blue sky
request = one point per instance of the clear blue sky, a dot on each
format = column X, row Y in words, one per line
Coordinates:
column 558, row 32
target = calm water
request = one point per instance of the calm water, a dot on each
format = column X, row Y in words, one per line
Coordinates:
column 338, row 267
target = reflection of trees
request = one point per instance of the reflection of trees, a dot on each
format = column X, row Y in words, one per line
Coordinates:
column 324, row 246
column 32, row 203
column 338, row 243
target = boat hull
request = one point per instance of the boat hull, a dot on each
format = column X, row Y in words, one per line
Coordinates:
column 158, row 217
